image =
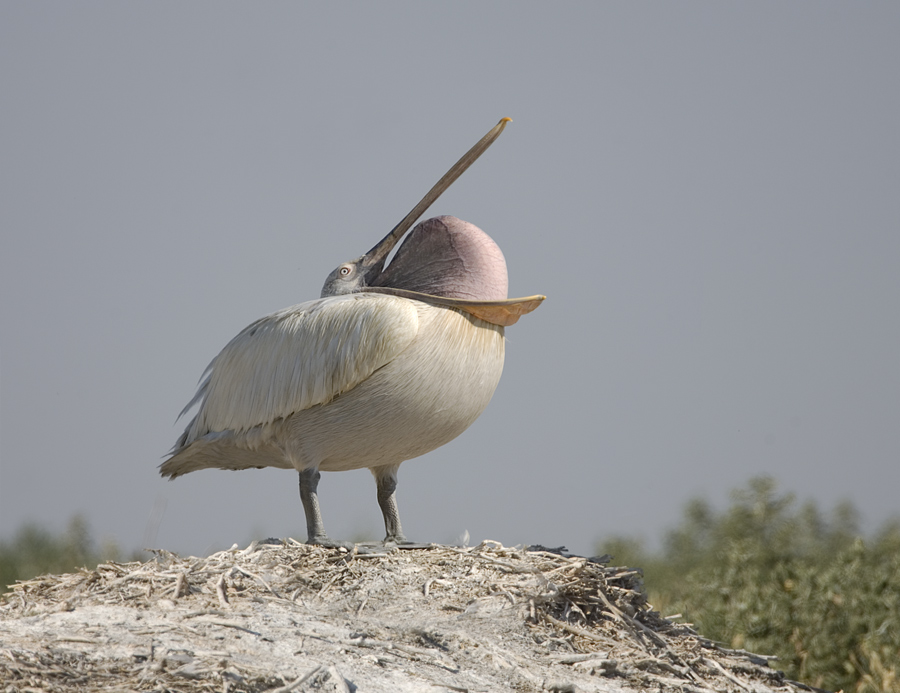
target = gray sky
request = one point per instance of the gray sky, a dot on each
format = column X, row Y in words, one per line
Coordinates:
column 708, row 194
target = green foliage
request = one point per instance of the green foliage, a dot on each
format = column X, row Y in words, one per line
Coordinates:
column 779, row 580
column 35, row 551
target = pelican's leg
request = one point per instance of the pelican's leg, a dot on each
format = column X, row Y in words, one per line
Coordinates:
column 315, row 528
column 386, row 482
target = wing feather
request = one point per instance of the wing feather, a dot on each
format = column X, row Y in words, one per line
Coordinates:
column 299, row 357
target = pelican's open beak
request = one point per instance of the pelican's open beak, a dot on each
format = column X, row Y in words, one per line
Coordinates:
column 505, row 312
column 373, row 262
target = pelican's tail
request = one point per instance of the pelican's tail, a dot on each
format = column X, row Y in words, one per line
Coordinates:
column 220, row 451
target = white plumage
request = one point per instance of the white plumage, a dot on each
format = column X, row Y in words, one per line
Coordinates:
column 303, row 388
column 299, row 357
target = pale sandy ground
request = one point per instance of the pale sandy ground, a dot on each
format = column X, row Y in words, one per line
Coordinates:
column 290, row 617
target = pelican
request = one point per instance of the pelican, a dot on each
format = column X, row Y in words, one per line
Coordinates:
column 387, row 365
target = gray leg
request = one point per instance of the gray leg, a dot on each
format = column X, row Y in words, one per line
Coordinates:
column 315, row 528
column 386, row 482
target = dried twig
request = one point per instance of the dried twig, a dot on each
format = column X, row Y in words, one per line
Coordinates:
column 575, row 630
column 294, row 685
column 179, row 585
column 220, row 591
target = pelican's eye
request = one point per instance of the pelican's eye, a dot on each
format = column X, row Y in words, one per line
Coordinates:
column 346, row 270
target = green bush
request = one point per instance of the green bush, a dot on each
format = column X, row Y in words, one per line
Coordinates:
column 35, row 551
column 779, row 580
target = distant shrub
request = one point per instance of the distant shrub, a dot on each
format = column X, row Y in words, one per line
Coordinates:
column 779, row 580
column 35, row 551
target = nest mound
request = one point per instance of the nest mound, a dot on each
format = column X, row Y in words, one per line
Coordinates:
column 284, row 616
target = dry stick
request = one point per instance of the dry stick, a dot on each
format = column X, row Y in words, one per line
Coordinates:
column 508, row 566
column 575, row 630
column 236, row 626
column 724, row 672
column 77, row 638
column 414, row 653
column 220, row 590
column 738, row 653
column 503, row 564
column 633, row 622
column 250, row 549
column 560, row 686
column 293, row 685
column 179, row 586
column 572, row 566
column 314, row 637
column 624, row 573
column 628, row 622
column 576, row 658
column 659, row 664
column 327, row 585
column 449, row 686
column 368, row 556
column 258, row 578
column 698, row 689
column 659, row 640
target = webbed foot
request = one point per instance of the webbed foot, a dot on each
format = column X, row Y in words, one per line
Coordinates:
column 329, row 543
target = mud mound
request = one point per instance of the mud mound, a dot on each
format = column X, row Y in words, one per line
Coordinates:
column 284, row 616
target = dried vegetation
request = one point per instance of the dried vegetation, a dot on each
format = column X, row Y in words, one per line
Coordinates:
column 284, row 616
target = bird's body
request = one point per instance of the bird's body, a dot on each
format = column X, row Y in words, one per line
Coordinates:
column 416, row 376
column 389, row 364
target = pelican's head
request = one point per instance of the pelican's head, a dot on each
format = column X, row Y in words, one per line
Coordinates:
column 365, row 270
column 444, row 260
